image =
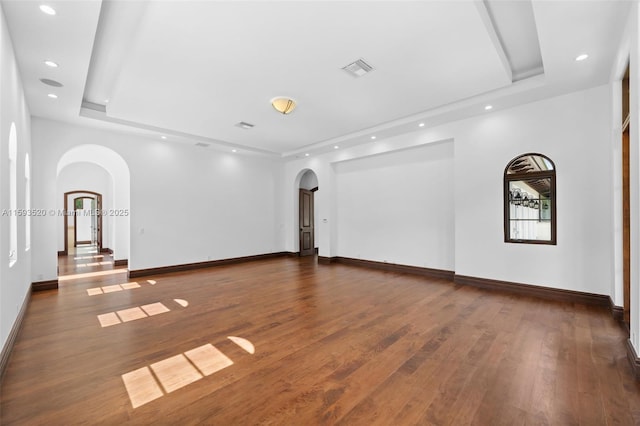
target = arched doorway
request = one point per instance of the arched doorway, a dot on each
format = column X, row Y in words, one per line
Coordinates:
column 95, row 169
column 82, row 220
column 307, row 187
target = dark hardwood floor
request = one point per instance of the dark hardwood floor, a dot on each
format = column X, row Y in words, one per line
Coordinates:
column 334, row 344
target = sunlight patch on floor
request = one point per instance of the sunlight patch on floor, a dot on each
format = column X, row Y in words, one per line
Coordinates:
column 141, row 387
column 112, row 288
column 147, row 383
column 91, row 274
column 88, row 257
column 181, row 302
column 243, row 343
column 132, row 314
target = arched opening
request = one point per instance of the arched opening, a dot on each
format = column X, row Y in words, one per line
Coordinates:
column 97, row 177
column 306, row 212
column 13, row 195
column 27, row 202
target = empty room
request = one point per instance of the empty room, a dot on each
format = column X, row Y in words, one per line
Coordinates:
column 320, row 212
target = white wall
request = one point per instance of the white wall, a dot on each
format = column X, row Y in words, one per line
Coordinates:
column 187, row 204
column 14, row 281
column 86, row 177
column 398, row 207
column 633, row 40
column 574, row 130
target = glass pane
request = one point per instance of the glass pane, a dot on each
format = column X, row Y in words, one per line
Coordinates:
column 530, row 209
column 529, row 164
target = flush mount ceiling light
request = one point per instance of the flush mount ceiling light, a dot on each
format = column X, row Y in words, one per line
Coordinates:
column 283, row 105
column 582, row 57
column 52, row 96
column 421, row 125
column 47, row 9
column 51, row 64
column 488, row 107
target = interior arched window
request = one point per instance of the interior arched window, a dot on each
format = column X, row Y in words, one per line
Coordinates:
column 27, row 203
column 13, row 196
column 530, row 200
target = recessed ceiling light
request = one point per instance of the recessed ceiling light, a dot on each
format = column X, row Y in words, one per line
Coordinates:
column 421, row 125
column 47, row 9
column 373, row 137
column 234, row 150
column 52, row 96
column 336, row 147
column 307, row 154
column 163, row 137
column 106, row 101
column 51, row 64
column 582, row 57
column 488, row 107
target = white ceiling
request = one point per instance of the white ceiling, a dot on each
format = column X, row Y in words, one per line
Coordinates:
column 191, row 70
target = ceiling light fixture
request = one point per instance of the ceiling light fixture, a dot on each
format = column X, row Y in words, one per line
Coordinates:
column 421, row 125
column 52, row 96
column 51, row 64
column 283, row 105
column 336, row 147
column 234, row 150
column 163, row 137
column 373, row 138
column 582, row 57
column 307, row 154
column 488, row 107
column 47, row 9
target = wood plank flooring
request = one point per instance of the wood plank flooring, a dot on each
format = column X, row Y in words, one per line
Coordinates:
column 334, row 344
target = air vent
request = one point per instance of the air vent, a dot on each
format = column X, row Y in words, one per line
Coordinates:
column 51, row 82
column 358, row 68
column 202, row 144
column 244, row 125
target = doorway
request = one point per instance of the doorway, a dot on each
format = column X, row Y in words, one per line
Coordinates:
column 307, row 214
column 82, row 220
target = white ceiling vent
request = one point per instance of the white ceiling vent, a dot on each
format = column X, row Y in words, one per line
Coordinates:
column 358, row 68
column 202, row 144
column 245, row 125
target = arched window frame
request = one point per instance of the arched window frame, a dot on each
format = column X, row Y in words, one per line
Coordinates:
column 27, row 203
column 529, row 176
column 13, row 195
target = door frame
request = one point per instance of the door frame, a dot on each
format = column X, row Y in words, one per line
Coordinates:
column 312, row 228
column 65, row 216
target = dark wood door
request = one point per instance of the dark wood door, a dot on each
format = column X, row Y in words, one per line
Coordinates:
column 307, row 246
